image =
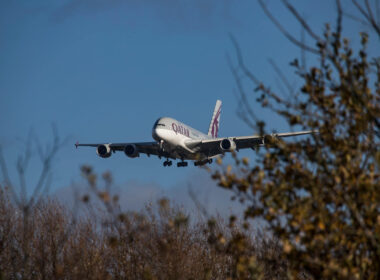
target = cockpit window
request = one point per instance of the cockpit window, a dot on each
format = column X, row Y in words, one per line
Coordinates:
column 158, row 124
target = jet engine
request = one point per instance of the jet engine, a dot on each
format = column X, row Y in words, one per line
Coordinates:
column 131, row 151
column 227, row 145
column 104, row 150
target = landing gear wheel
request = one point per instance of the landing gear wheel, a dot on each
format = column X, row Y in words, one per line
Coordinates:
column 168, row 163
column 181, row 164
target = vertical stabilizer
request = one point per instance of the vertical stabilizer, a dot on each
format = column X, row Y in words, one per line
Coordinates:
column 214, row 125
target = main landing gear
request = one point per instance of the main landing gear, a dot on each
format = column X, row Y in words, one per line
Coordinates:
column 181, row 164
column 168, row 163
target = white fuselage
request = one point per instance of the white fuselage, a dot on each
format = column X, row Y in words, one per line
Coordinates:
column 173, row 135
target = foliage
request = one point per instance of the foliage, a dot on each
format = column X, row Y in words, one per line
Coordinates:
column 161, row 242
column 320, row 194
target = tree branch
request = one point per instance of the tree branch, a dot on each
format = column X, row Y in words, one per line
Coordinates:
column 285, row 32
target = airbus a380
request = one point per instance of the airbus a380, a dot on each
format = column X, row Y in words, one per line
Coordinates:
column 176, row 140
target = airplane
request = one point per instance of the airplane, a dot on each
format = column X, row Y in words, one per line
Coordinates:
column 176, row 140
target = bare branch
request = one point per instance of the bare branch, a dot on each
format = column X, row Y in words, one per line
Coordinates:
column 372, row 19
column 282, row 77
column 240, row 111
column 36, row 198
column 197, row 203
column 8, row 182
column 301, row 21
column 377, row 7
column 338, row 26
column 303, row 55
column 46, row 164
column 355, row 18
column 22, row 165
column 241, row 62
column 285, row 32
column 245, row 106
column 368, row 15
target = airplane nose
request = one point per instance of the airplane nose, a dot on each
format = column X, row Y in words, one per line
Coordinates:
column 155, row 134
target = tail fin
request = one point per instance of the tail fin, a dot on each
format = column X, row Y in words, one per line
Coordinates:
column 214, row 125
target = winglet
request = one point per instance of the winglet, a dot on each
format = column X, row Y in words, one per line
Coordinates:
column 76, row 144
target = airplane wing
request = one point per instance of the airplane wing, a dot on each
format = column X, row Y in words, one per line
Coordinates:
column 212, row 146
column 149, row 148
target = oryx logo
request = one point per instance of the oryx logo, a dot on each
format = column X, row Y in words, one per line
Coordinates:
column 215, row 124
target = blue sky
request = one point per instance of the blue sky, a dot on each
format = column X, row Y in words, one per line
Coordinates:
column 104, row 71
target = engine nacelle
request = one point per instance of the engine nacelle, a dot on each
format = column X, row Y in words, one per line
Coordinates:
column 227, row 145
column 131, row 151
column 104, row 150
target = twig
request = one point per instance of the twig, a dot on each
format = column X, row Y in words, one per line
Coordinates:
column 285, row 32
